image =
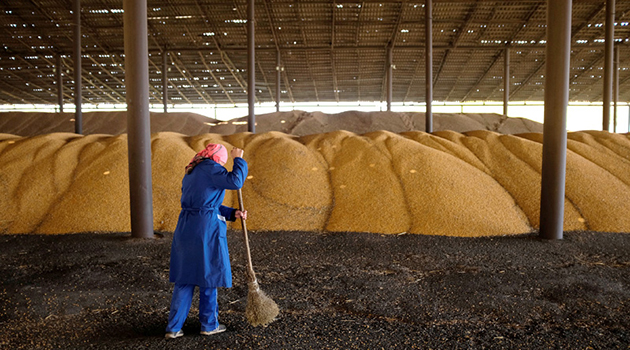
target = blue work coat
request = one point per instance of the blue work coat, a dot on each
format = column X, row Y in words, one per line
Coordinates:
column 199, row 253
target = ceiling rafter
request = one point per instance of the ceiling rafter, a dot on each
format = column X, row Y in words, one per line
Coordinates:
column 276, row 42
column 179, row 65
column 242, row 15
column 50, row 18
column 179, row 92
column 260, row 68
column 87, row 79
column 91, row 56
column 52, row 81
column 494, row 59
column 35, row 85
column 308, row 61
column 2, row 91
column 31, row 95
column 186, row 75
column 467, row 21
column 256, row 60
column 597, row 61
column 501, row 53
column 621, row 81
column 108, row 73
column 84, row 77
column 27, row 84
column 224, row 56
column 455, row 42
column 390, row 45
column 356, row 41
column 542, row 64
column 203, row 60
column 594, row 63
column 332, row 51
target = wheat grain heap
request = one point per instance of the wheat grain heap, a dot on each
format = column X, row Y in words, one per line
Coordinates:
column 111, row 123
column 478, row 183
column 298, row 123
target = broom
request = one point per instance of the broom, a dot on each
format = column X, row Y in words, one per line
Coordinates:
column 260, row 310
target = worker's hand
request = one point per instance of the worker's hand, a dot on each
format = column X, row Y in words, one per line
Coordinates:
column 237, row 152
column 241, row 214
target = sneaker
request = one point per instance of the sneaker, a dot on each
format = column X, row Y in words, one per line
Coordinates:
column 219, row 329
column 173, row 335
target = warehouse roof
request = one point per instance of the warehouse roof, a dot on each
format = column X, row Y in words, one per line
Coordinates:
column 329, row 50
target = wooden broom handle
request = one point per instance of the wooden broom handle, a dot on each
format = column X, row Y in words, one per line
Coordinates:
column 251, row 274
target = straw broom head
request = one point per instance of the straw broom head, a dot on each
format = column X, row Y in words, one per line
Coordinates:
column 260, row 310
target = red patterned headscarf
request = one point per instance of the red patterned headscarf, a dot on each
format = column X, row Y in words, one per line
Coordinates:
column 214, row 151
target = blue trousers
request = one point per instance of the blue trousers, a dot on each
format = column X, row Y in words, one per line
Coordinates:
column 180, row 306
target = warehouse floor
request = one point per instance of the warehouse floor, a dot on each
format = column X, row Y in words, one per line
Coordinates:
column 335, row 291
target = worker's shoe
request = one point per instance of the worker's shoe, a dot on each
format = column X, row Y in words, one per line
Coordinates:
column 219, row 329
column 173, row 335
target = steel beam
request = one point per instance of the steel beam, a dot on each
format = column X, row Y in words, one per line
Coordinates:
column 332, row 53
column 390, row 47
column 165, row 80
column 428, row 34
column 190, row 79
column 328, row 48
column 216, row 79
column 298, row 14
column 615, row 87
column 608, row 61
column 278, row 52
column 558, row 58
column 78, row 116
column 390, row 76
column 138, row 122
column 251, row 67
column 278, row 78
column 506, row 80
column 59, row 71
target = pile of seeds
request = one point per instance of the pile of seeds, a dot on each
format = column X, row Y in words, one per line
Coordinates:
column 478, row 183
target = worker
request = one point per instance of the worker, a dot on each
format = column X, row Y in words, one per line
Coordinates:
column 199, row 253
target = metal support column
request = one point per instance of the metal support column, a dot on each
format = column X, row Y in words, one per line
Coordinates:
column 615, row 87
column 59, row 71
column 506, row 80
column 278, row 77
column 165, row 80
column 608, row 61
column 390, row 75
column 251, row 67
column 78, row 116
column 138, row 122
column 558, row 56
column 428, row 35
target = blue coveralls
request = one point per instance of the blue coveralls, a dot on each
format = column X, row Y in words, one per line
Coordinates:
column 199, row 253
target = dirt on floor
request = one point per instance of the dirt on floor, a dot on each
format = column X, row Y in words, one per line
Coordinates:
column 335, row 291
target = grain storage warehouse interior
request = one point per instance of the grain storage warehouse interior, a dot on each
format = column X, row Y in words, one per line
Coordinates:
column 397, row 227
column 312, row 51
column 328, row 50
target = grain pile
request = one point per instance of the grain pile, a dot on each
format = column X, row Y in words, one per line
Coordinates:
column 298, row 123
column 111, row 123
column 302, row 123
column 477, row 183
